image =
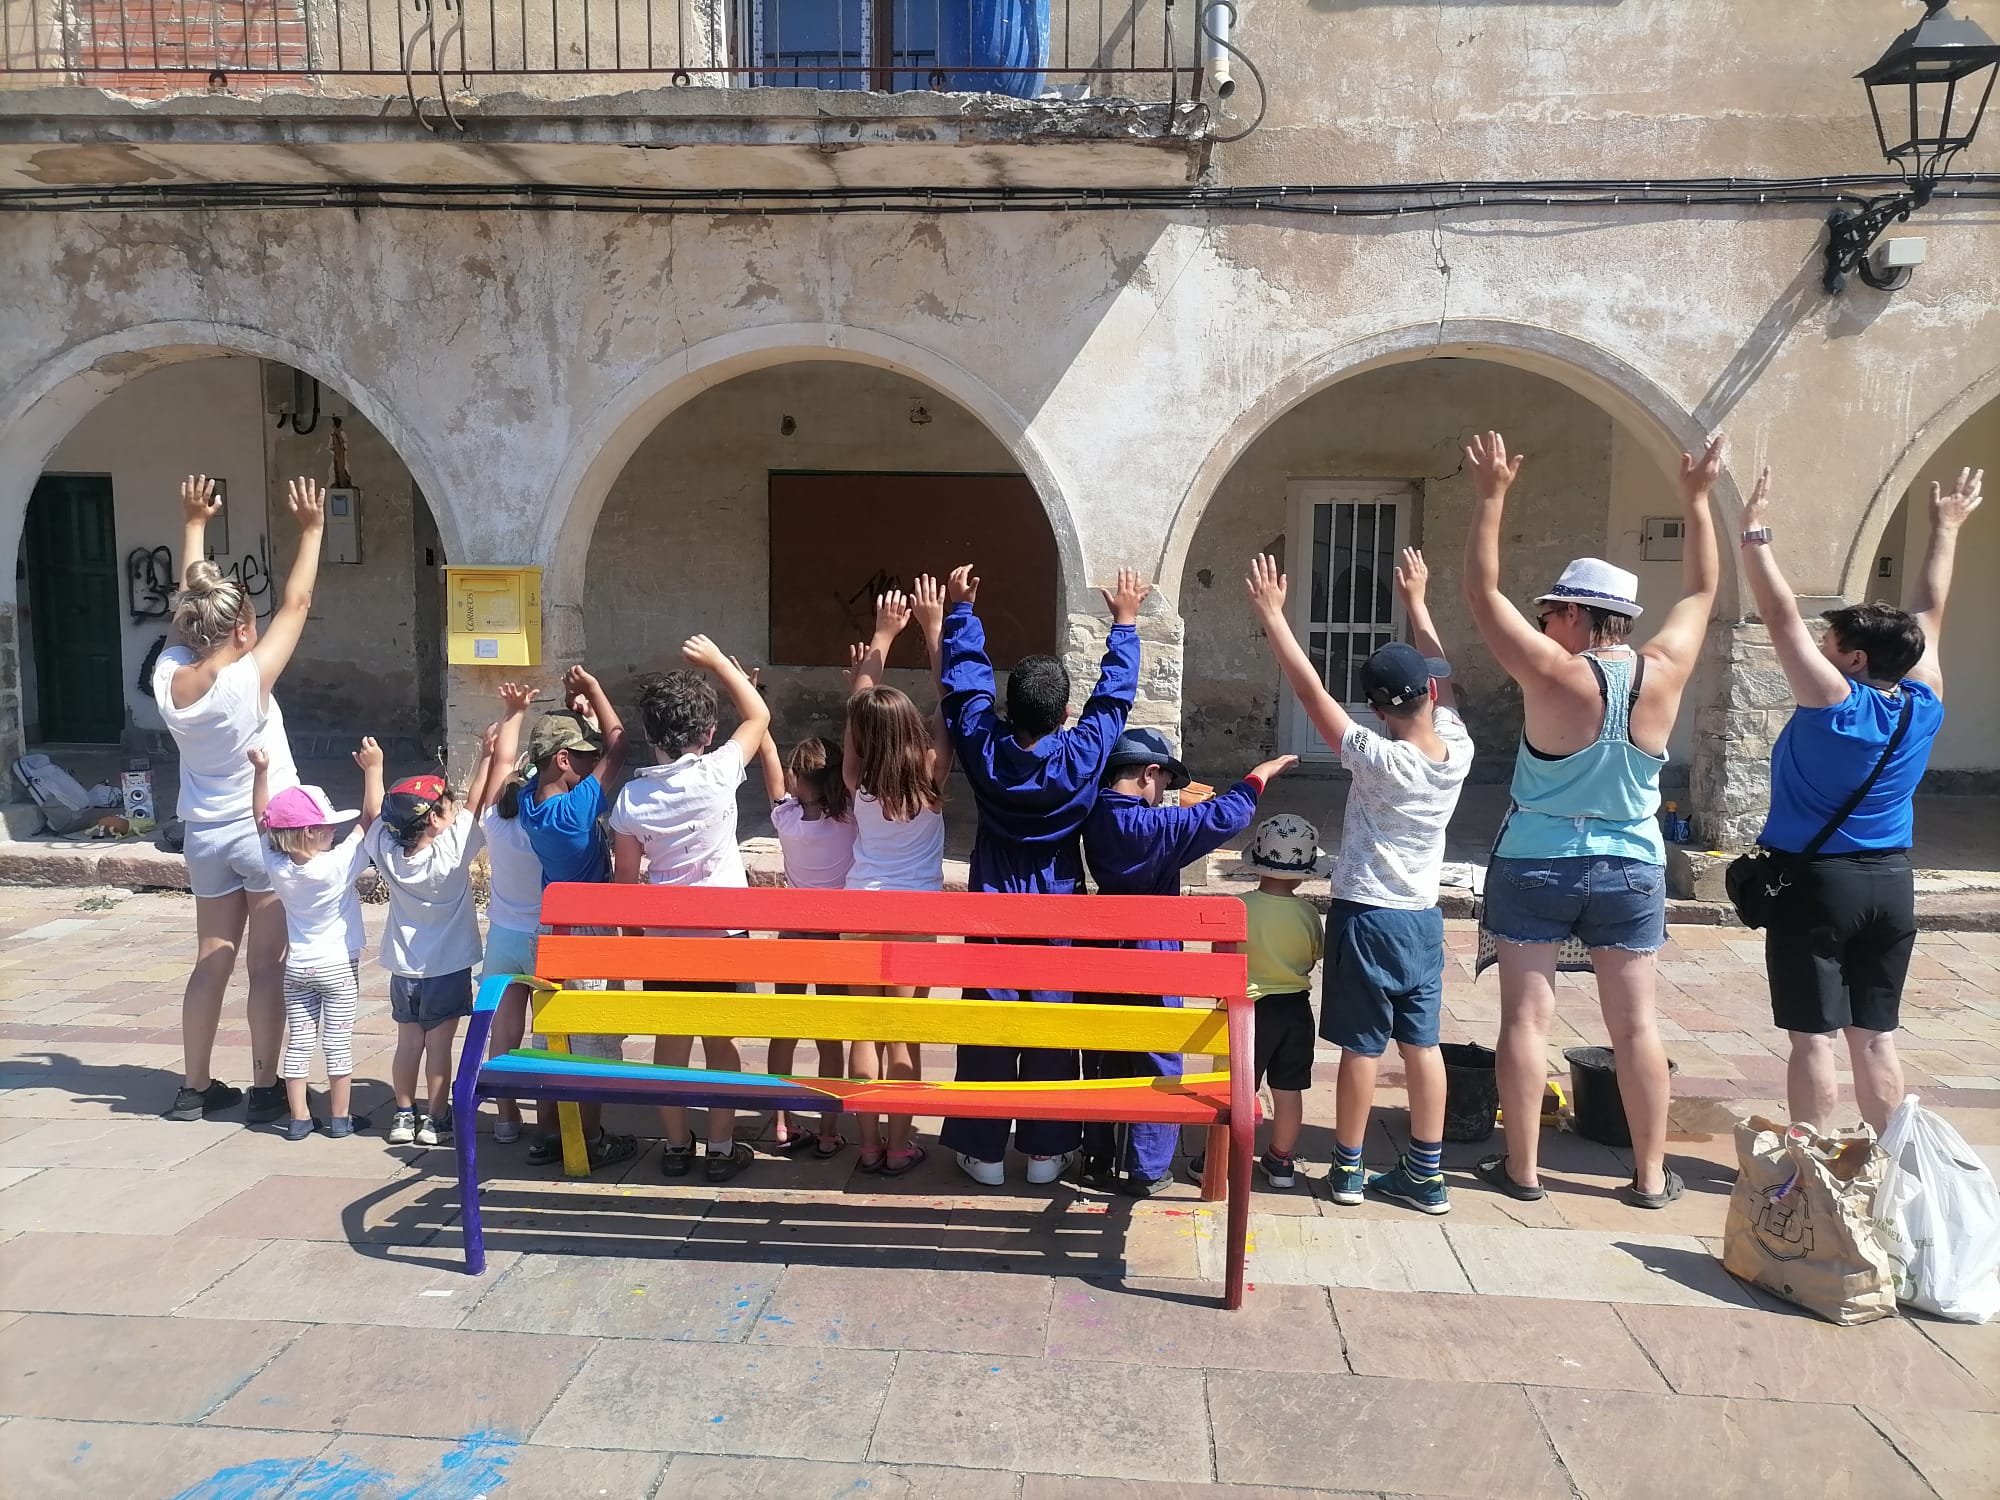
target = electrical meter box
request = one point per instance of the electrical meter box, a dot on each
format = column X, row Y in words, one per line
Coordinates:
column 494, row 617
column 343, row 526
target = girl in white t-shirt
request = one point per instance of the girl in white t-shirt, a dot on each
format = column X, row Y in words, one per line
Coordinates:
column 813, row 818
column 513, row 891
column 314, row 877
column 895, row 763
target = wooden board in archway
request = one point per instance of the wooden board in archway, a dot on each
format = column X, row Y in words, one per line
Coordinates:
column 837, row 540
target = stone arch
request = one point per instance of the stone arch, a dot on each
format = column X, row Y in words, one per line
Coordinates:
column 603, row 447
column 1661, row 424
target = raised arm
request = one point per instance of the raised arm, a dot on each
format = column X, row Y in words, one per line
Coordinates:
column 1104, row 712
column 610, row 728
column 476, row 799
column 753, row 713
column 515, row 700
column 1815, row 681
column 198, row 507
column 892, row 617
column 1950, row 509
column 260, row 784
column 369, row 758
column 1267, row 597
column 1413, row 579
column 307, row 503
column 927, row 605
column 1520, row 648
column 1678, row 642
column 772, row 767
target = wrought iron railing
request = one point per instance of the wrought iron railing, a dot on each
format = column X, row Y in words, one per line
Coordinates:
column 1026, row 48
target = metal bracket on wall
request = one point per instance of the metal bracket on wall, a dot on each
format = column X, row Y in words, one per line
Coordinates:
column 438, row 44
column 1850, row 235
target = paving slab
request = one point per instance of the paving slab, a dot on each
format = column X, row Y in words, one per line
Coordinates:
column 1511, row 1340
column 66, row 1365
column 394, row 1468
column 1061, row 1487
column 104, row 1142
column 251, row 1153
column 1792, row 1356
column 633, row 1298
column 1424, row 1437
column 1410, row 1256
column 818, row 1233
column 1957, row 1452
column 312, row 1281
column 722, row 1398
column 1975, row 1346
column 402, row 1382
column 967, row 1312
column 62, row 1460
column 716, row 1478
column 1647, row 1447
column 118, row 1200
column 1181, row 1325
column 1581, row 1265
column 360, row 1210
column 112, row 1273
column 1043, row 1416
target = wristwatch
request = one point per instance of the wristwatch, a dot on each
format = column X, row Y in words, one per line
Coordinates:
column 1757, row 536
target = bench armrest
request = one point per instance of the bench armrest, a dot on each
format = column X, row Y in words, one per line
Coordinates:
column 494, row 986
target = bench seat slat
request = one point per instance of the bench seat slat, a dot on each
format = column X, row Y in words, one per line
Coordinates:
column 692, row 961
column 987, row 1023
column 1219, row 919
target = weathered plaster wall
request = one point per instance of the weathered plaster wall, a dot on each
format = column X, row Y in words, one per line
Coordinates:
column 1408, row 422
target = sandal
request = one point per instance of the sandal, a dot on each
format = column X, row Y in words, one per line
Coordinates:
column 608, row 1149
column 871, row 1161
column 827, row 1147
column 544, row 1151
column 1492, row 1171
column 793, row 1145
column 911, row 1158
column 1673, row 1189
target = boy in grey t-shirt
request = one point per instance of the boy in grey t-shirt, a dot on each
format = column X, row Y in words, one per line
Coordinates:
column 1384, row 974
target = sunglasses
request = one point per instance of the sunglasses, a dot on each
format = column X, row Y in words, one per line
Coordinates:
column 1542, row 619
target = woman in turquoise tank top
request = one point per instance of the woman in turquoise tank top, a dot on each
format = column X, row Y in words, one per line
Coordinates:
column 1580, row 854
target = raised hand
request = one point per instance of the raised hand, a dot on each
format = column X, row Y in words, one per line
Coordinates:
column 892, row 614
column 755, row 674
column 927, row 603
column 1125, row 599
column 490, row 741
column 578, row 683
column 515, row 697
column 307, row 502
column 856, row 654
column 199, row 505
column 700, row 651
column 260, row 759
column 1698, row 475
column 1492, row 470
column 369, row 756
column 1760, row 499
column 1413, row 576
column 1277, row 765
column 1951, row 507
column 1267, row 587
column 963, row 585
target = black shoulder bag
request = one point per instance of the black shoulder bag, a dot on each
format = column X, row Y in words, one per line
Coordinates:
column 1753, row 880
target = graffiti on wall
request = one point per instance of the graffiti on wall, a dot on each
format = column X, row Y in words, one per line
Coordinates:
column 150, row 581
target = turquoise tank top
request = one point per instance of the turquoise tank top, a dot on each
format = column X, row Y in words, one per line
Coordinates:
column 1601, row 801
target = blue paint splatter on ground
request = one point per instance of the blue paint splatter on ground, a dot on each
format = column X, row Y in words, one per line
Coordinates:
column 475, row 1466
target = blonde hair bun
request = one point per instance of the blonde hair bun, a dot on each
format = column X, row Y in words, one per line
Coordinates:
column 209, row 607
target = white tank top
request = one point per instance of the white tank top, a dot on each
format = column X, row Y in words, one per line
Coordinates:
column 896, row 856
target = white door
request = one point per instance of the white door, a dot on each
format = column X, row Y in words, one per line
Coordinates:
column 1341, row 551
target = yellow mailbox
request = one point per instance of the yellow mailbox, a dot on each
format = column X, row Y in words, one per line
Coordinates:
column 494, row 616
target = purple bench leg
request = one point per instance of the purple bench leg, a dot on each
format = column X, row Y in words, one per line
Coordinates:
column 465, row 1136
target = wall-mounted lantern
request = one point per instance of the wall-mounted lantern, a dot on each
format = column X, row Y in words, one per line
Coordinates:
column 1928, row 93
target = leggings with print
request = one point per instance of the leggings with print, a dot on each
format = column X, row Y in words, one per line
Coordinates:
column 320, row 999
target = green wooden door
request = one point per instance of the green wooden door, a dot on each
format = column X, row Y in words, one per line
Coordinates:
column 73, row 600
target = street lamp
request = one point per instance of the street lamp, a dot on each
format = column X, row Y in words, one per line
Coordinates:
column 1927, row 93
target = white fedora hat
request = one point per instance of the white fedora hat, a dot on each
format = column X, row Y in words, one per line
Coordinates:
column 1596, row 583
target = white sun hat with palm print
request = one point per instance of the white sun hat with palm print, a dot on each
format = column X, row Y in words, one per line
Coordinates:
column 1286, row 846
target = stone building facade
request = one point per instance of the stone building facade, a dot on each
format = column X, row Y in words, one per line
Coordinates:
column 603, row 388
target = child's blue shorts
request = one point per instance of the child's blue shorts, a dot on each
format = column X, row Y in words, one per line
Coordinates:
column 1384, row 977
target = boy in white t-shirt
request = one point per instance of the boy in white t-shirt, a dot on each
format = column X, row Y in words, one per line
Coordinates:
column 1384, row 974
column 675, row 824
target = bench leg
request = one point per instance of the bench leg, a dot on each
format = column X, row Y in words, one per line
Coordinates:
column 1215, row 1169
column 1242, row 1146
column 465, row 1142
column 569, row 1124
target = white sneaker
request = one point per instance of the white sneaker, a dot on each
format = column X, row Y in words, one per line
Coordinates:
column 403, row 1127
column 985, row 1173
column 1047, row 1169
column 427, row 1131
column 506, row 1132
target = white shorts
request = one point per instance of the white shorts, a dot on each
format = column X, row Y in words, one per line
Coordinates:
column 224, row 858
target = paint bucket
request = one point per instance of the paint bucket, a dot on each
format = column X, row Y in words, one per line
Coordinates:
column 1596, row 1107
column 1471, row 1091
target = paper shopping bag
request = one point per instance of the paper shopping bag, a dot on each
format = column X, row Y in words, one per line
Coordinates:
column 1800, row 1220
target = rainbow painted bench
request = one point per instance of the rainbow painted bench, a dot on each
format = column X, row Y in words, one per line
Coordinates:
column 1007, row 947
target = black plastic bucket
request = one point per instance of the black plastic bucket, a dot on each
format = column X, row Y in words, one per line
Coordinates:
column 1594, row 1101
column 1471, row 1091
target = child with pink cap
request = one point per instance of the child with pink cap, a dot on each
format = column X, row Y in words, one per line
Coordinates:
column 313, row 873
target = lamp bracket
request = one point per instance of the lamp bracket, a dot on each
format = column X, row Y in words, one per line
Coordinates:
column 1851, row 234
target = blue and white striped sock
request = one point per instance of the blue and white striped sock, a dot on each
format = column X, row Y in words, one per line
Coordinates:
column 1423, row 1159
column 1347, row 1158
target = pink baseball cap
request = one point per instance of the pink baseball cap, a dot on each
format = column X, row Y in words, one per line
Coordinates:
column 304, row 807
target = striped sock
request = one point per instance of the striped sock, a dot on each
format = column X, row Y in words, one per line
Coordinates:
column 1423, row 1159
column 1347, row 1157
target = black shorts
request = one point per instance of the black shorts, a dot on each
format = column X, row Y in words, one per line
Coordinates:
column 1285, row 1041
column 1838, row 943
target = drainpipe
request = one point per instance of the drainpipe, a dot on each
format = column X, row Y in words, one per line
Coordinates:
column 1216, row 18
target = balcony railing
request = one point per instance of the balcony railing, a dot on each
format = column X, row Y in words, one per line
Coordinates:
column 1137, row 49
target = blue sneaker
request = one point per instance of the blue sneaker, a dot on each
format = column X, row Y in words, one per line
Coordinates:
column 1282, row 1172
column 1424, row 1194
column 1344, row 1184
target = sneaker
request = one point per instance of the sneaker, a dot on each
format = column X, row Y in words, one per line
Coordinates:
column 345, row 1125
column 194, row 1104
column 1100, row 1174
column 402, row 1127
column 298, row 1130
column 1131, row 1185
column 1282, row 1172
column 1197, row 1168
column 1043, row 1170
column 725, row 1165
column 1344, row 1184
column 443, row 1121
column 427, row 1130
column 1424, row 1194
column 985, row 1173
column 676, row 1161
column 506, row 1132
column 266, row 1104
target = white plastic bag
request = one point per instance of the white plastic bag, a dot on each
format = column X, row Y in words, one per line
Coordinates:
column 1938, row 1211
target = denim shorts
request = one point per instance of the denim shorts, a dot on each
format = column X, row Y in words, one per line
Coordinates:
column 1603, row 902
column 430, row 1003
column 1384, row 977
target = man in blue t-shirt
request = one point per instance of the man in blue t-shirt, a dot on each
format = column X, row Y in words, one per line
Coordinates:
column 577, row 753
column 1838, row 943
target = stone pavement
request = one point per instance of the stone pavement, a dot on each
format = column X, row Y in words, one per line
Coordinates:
column 209, row 1312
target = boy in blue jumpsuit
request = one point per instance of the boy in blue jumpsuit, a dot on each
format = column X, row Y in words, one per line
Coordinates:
column 1034, row 782
column 1136, row 847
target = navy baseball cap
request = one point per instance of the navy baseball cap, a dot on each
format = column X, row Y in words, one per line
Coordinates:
column 1147, row 747
column 1398, row 673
